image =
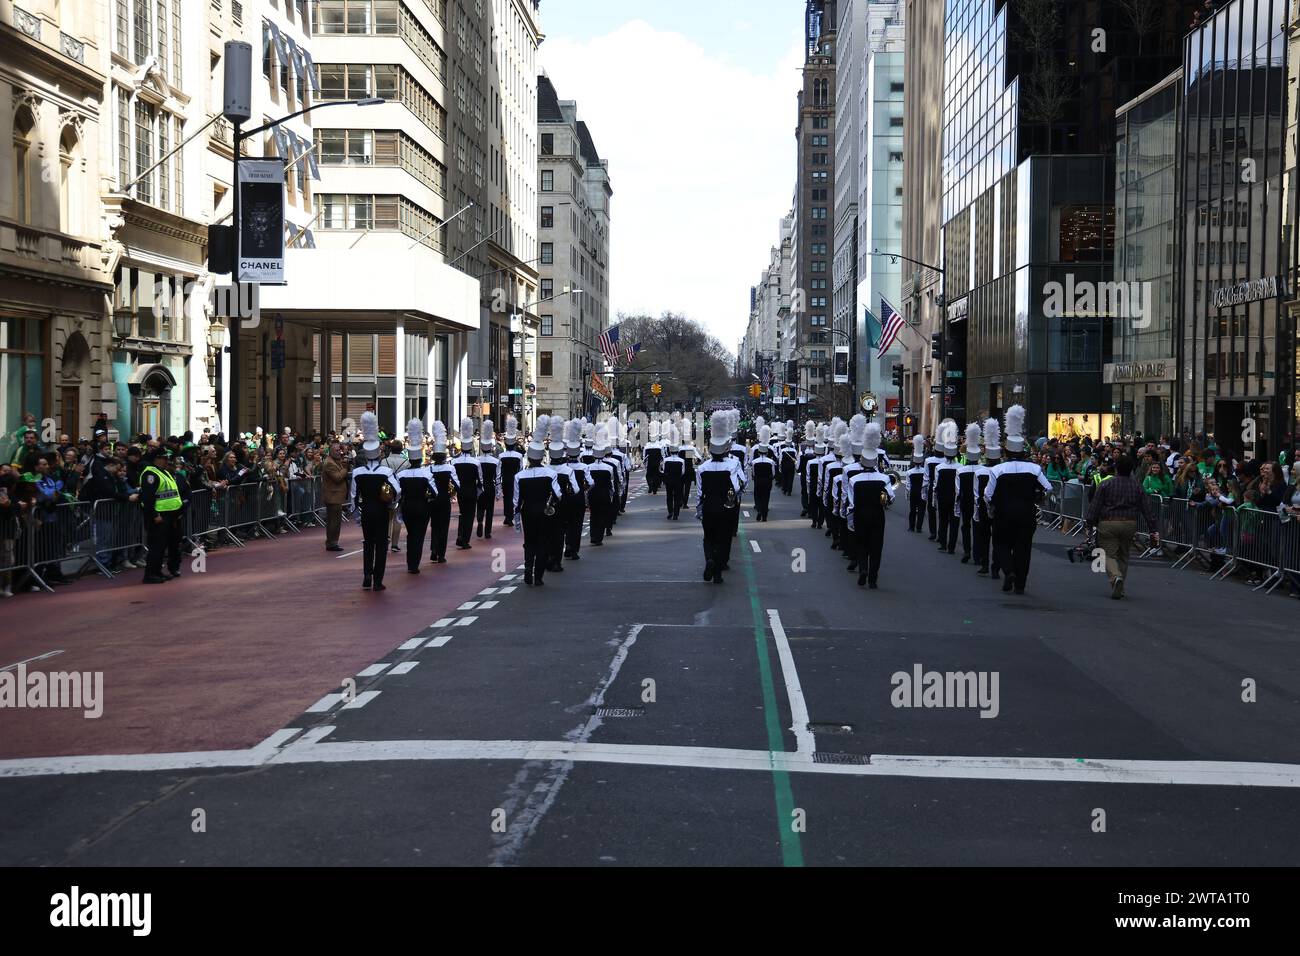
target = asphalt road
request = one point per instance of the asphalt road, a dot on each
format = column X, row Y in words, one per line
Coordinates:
column 627, row 713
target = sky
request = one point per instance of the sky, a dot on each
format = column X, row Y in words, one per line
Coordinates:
column 693, row 103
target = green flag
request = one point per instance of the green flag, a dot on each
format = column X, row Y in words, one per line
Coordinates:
column 874, row 329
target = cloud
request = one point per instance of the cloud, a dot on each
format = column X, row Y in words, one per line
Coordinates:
column 702, row 163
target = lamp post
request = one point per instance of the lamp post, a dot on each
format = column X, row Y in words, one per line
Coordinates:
column 523, row 310
column 895, row 257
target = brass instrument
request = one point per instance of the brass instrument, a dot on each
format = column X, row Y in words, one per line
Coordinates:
column 549, row 511
column 730, row 502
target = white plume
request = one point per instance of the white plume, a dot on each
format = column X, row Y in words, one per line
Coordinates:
column 439, row 433
column 764, row 434
column 656, row 429
column 512, row 428
column 947, row 433
column 973, row 438
column 369, row 427
column 415, row 435
column 718, row 426
column 555, row 429
column 572, row 432
column 857, row 430
column 992, row 433
column 466, row 430
column 487, row 435
column 539, row 430
column 1016, row 421
column 871, row 440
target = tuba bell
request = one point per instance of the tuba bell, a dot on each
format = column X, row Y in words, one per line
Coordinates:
column 730, row 501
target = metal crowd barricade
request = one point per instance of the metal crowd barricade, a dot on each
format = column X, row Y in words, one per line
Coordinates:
column 1073, row 502
column 1178, row 527
column 243, row 508
column 1288, row 551
column 1207, row 530
column 59, row 534
column 305, row 506
column 199, row 518
column 273, row 505
column 15, row 555
column 116, row 526
column 1050, row 509
column 1156, row 503
column 1258, row 543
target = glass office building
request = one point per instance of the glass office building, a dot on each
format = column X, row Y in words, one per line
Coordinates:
column 1144, row 371
column 1238, row 380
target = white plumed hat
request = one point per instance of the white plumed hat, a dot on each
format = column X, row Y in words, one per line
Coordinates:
column 992, row 439
column 487, row 435
column 536, row 448
column 415, row 438
column 719, row 432
column 555, row 430
column 466, row 433
column 439, row 433
column 370, row 434
column 870, row 444
column 918, row 448
column 973, row 440
column 1015, row 440
column 512, row 430
column 947, row 440
column 572, row 436
column 857, row 433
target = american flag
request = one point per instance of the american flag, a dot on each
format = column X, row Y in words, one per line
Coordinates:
column 891, row 323
column 609, row 344
column 631, row 352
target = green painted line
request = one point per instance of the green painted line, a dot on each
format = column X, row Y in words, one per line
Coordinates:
column 791, row 850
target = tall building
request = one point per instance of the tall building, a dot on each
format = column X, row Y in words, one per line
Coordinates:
column 54, row 333
column 1144, row 371
column 769, row 301
column 1030, row 94
column 810, row 366
column 574, row 232
column 877, row 200
column 1237, row 348
column 921, row 283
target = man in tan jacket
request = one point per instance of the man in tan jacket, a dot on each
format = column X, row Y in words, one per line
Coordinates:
column 334, row 493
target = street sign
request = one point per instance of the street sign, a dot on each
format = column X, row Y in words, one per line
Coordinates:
column 480, row 383
column 935, row 389
column 516, row 391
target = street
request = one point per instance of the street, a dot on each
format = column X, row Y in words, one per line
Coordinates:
column 628, row 714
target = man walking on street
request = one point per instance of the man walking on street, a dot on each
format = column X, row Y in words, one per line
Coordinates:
column 1116, row 505
column 334, row 494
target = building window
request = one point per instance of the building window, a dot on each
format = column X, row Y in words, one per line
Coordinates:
column 547, row 290
column 23, row 125
column 548, row 144
column 548, row 180
column 548, row 253
column 548, row 217
column 545, row 364
column 548, row 324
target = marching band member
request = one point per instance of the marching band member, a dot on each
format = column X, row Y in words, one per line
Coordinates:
column 983, row 525
column 418, row 491
column 537, row 489
column 447, row 488
column 719, row 496
column 966, row 488
column 916, row 486
column 869, row 492
column 1014, row 489
column 469, row 482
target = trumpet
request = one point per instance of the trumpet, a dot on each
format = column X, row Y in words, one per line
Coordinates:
column 549, row 511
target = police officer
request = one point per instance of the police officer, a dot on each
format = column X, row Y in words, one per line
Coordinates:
column 160, row 502
column 374, row 503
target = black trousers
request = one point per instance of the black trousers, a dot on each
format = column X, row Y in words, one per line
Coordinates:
column 537, row 528
column 762, row 496
column 932, row 514
column 555, row 537
column 175, row 526
column 573, row 526
column 508, row 502
column 915, row 512
column 849, row 543
column 869, row 541
column 965, row 532
column 600, row 505
column 981, row 536
column 1013, row 543
column 439, row 524
column 948, row 525
column 374, row 529
column 815, row 509
column 717, row 537
column 417, row 524
column 486, row 510
column 468, row 505
column 787, row 477
column 653, row 476
column 803, row 494
column 675, row 496
column 155, row 539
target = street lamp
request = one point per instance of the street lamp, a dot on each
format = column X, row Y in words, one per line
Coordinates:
column 520, row 313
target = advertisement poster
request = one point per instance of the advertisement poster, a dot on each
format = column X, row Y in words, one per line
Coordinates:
column 261, row 221
column 1067, row 426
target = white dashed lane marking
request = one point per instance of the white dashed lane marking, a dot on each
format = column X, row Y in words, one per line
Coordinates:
column 324, row 704
column 442, row 622
column 754, row 545
column 373, row 669
column 410, row 645
column 439, row 641
column 487, row 591
column 361, row 700
column 465, row 622
column 404, row 668
column 468, row 606
column 488, row 605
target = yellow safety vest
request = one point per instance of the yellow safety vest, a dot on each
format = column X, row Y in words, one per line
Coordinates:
column 168, row 496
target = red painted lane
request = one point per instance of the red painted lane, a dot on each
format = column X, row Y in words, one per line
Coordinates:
column 222, row 659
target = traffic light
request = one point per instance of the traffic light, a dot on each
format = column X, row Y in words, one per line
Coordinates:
column 898, row 376
column 755, row 390
column 936, row 346
column 656, row 389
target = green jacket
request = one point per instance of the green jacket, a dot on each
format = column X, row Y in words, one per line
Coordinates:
column 1161, row 485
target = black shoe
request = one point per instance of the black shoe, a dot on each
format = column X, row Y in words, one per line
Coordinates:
column 1007, row 584
column 934, row 537
column 951, row 550
column 803, row 514
column 365, row 584
column 463, row 547
column 395, row 549
column 575, row 556
column 726, row 566
column 1020, row 590
column 379, row 587
column 995, row 576
column 853, row 566
column 154, row 579
column 965, row 559
column 169, row 575
column 333, row 547
column 488, row 536
column 983, row 569
column 539, row 582
column 862, row 579
column 479, row 531
column 710, row 570
column 528, row 579
column 598, row 544
column 871, row 585
column 412, row 570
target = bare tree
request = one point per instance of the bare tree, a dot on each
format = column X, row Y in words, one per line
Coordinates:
column 1143, row 16
column 695, row 364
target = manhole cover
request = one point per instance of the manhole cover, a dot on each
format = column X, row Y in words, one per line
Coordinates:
column 855, row 759
column 618, row 711
column 831, row 728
